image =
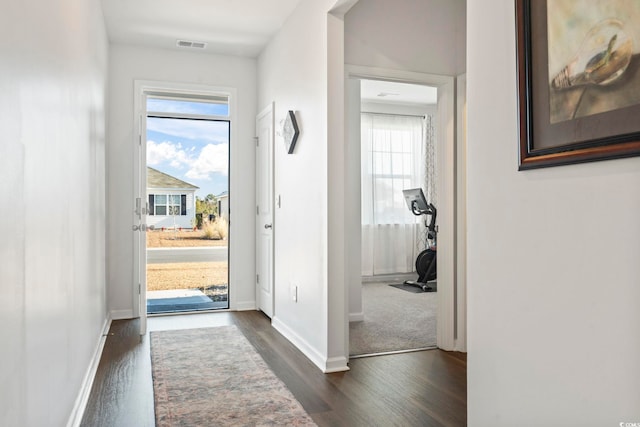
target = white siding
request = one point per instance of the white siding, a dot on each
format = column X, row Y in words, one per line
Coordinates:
column 223, row 207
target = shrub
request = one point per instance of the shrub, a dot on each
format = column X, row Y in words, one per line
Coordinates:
column 221, row 227
column 210, row 231
column 216, row 230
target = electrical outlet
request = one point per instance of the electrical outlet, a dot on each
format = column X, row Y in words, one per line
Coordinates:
column 294, row 292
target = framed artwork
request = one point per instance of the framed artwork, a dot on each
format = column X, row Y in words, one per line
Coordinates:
column 290, row 131
column 578, row 80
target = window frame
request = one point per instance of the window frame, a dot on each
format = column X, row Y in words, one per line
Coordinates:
column 168, row 204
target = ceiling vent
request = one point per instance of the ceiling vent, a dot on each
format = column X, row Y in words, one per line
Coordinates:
column 191, row 44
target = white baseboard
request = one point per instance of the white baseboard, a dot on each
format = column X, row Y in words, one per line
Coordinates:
column 326, row 365
column 87, row 382
column 121, row 314
column 245, row 306
column 356, row 317
column 336, row 364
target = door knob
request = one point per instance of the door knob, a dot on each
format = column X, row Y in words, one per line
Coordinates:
column 266, row 226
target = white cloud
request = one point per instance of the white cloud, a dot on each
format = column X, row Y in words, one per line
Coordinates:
column 212, row 159
column 197, row 130
column 158, row 153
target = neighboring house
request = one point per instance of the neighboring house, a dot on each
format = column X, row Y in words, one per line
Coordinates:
column 223, row 204
column 172, row 202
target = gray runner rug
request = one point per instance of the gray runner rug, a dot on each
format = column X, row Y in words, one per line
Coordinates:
column 214, row 377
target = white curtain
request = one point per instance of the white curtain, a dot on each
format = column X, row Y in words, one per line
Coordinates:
column 394, row 154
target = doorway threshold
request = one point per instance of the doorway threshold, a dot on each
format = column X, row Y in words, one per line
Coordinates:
column 181, row 301
column 386, row 353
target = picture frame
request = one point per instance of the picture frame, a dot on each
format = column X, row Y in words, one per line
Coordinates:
column 290, row 131
column 578, row 72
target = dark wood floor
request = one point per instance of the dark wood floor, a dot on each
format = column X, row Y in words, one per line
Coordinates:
column 425, row 388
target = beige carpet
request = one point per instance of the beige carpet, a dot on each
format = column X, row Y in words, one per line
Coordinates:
column 214, row 377
column 394, row 320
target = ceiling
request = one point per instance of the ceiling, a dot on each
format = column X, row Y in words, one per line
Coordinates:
column 231, row 27
column 397, row 93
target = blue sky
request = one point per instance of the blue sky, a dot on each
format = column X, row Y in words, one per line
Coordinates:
column 195, row 151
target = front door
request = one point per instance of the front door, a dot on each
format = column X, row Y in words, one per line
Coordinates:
column 139, row 229
column 182, row 201
column 264, row 211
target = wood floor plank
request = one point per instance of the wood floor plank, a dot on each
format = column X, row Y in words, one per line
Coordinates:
column 425, row 388
column 122, row 392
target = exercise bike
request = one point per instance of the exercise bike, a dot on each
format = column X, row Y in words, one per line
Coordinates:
column 426, row 260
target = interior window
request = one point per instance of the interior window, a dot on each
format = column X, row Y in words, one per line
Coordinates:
column 392, row 153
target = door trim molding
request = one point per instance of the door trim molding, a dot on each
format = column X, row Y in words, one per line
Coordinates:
column 461, row 212
column 447, row 244
column 141, row 88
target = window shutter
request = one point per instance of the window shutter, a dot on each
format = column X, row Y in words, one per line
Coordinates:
column 183, row 204
column 151, row 206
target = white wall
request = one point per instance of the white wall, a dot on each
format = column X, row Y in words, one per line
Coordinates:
column 129, row 63
column 296, row 71
column 52, row 274
column 554, row 324
column 423, row 36
column 292, row 73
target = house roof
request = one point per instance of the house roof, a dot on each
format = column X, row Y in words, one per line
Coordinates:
column 157, row 179
column 223, row 194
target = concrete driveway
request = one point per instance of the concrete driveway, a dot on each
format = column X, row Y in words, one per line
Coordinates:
column 204, row 254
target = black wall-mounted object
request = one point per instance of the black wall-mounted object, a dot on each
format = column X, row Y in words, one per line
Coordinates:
column 290, row 131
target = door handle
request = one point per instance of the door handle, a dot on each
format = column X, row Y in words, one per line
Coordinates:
column 267, row 226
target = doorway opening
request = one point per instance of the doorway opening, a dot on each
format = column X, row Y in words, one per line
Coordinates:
column 397, row 131
column 186, row 165
column 451, row 178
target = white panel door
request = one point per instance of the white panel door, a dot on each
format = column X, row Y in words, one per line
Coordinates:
column 264, row 211
column 140, row 219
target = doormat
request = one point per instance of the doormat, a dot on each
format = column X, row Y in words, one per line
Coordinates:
column 177, row 300
column 414, row 289
column 214, row 376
